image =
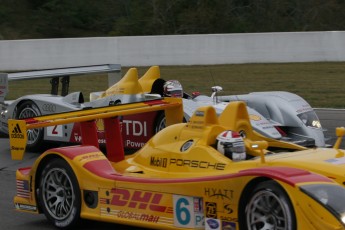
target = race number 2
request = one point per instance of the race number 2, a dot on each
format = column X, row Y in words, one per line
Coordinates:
column 188, row 212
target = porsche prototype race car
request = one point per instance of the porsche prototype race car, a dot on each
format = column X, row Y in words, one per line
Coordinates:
column 180, row 179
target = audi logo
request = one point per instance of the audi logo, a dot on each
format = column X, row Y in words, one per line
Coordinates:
column 49, row 108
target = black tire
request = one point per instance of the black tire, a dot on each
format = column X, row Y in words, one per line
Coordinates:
column 35, row 136
column 160, row 122
column 269, row 207
column 59, row 194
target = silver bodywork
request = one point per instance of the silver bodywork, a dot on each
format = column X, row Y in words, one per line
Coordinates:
column 287, row 111
column 277, row 115
column 274, row 114
column 52, row 103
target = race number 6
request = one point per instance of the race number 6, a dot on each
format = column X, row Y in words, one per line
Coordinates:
column 184, row 212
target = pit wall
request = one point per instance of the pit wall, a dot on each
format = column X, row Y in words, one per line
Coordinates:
column 210, row 49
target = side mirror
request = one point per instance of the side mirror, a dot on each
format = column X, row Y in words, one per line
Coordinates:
column 340, row 132
column 260, row 147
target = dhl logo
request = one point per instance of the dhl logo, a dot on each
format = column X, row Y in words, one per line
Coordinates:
column 139, row 200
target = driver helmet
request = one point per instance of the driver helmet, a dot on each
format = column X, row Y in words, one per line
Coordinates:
column 231, row 144
column 172, row 88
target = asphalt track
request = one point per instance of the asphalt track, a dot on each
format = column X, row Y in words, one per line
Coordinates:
column 13, row 220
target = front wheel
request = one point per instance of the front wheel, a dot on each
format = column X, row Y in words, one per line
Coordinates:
column 160, row 122
column 269, row 207
column 59, row 194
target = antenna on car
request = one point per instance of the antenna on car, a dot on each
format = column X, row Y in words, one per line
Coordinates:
column 215, row 89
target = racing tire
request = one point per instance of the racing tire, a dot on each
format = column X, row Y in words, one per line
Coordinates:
column 59, row 194
column 35, row 136
column 160, row 122
column 269, row 207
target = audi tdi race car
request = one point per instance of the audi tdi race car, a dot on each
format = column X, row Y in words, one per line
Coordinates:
column 278, row 115
column 180, row 179
column 136, row 129
column 274, row 114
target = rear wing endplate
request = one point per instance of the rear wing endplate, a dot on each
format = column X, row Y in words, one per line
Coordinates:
column 18, row 128
column 112, row 69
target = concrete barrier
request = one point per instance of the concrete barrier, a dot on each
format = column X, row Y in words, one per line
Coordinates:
column 173, row 50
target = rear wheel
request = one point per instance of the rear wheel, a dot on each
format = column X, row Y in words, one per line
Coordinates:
column 269, row 207
column 29, row 109
column 59, row 194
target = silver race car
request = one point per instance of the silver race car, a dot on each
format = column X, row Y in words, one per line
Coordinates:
column 275, row 115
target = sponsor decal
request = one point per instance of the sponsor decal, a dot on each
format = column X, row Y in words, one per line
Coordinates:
column 196, row 164
column 164, row 162
column 228, row 209
column 134, row 144
column 138, row 216
column 228, row 225
column 77, row 137
column 219, row 193
column 199, row 113
column 254, row 117
column 23, row 189
column 212, row 224
column 188, row 212
column 336, row 161
column 228, row 218
column 17, row 132
column 138, row 200
column 159, row 162
column 211, row 210
column 91, row 156
column 25, row 207
column 49, row 108
column 17, row 148
column 135, row 128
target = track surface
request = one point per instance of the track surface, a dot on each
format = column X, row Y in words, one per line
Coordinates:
column 12, row 220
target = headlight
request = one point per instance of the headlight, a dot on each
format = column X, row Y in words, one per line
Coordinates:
column 310, row 119
column 329, row 196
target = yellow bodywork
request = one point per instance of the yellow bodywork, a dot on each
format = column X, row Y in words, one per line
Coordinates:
column 178, row 180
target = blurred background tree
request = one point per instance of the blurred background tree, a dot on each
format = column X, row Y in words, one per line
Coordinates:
column 32, row 19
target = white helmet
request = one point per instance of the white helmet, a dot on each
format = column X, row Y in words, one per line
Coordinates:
column 231, row 144
column 173, row 88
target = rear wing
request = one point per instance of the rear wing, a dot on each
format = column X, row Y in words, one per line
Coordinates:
column 114, row 144
column 113, row 70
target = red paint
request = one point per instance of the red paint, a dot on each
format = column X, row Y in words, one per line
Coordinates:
column 288, row 175
column 155, row 102
column 25, row 171
column 54, row 130
column 113, row 139
column 138, row 200
column 73, row 151
column 101, row 168
column 89, row 133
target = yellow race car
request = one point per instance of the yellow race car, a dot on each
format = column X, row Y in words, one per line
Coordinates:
column 188, row 176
